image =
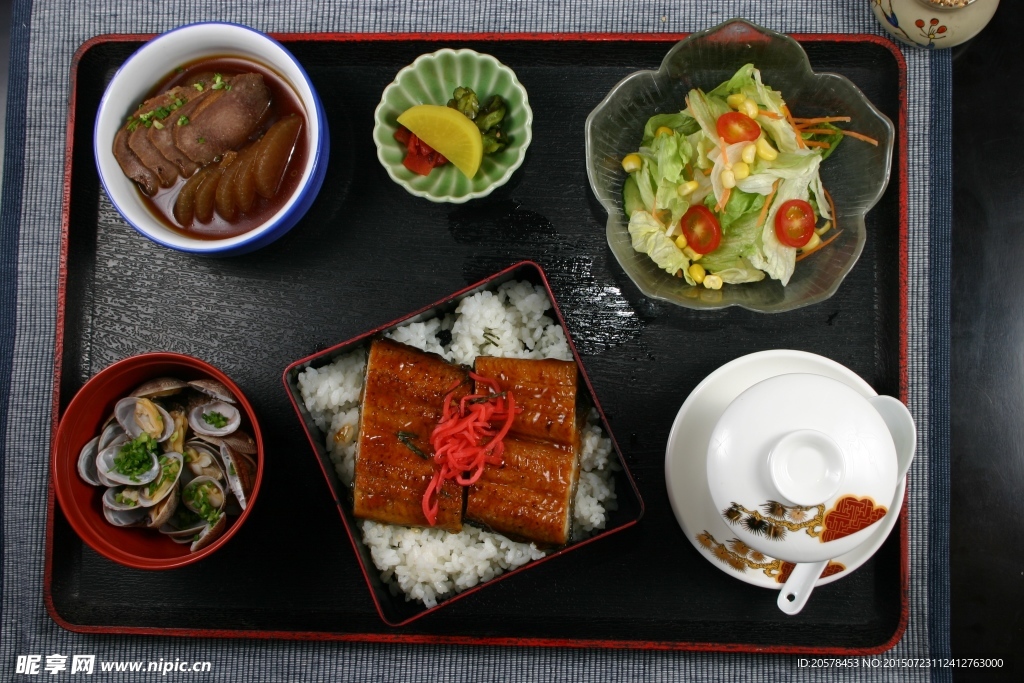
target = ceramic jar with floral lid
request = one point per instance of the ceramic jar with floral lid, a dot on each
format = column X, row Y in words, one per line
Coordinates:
column 934, row 23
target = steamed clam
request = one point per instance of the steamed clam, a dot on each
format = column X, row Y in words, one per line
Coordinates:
column 215, row 418
column 164, row 459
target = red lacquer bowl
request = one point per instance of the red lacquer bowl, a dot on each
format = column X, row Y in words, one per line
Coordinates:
column 140, row 548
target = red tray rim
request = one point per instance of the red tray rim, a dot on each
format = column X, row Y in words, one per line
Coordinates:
column 903, row 202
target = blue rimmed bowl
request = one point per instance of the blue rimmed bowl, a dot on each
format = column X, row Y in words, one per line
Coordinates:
column 431, row 79
column 150, row 64
column 856, row 175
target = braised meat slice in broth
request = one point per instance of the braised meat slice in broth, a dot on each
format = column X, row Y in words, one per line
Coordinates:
column 194, row 92
column 133, row 166
column 225, row 120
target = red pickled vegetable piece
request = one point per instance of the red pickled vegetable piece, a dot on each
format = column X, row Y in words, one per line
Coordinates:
column 402, row 135
column 417, row 164
column 466, row 439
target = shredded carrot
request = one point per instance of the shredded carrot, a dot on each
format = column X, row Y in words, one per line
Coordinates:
column 789, row 117
column 769, row 114
column 725, row 154
column 767, row 203
column 821, row 246
column 822, row 119
column 815, row 143
column 818, row 131
column 725, row 199
column 467, row 439
column 860, row 136
column 832, row 209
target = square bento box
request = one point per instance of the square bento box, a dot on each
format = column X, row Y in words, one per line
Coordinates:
column 392, row 605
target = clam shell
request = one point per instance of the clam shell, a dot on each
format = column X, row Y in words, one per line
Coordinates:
column 161, row 386
column 240, row 471
column 116, row 442
column 125, row 412
column 196, row 452
column 134, row 517
column 196, row 482
column 213, row 389
column 210, row 533
column 160, row 513
column 111, row 431
column 200, row 426
column 164, row 488
column 240, row 442
column 87, row 462
column 110, row 501
column 106, row 472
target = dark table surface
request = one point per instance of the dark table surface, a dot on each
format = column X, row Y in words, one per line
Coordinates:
column 987, row 378
column 987, row 544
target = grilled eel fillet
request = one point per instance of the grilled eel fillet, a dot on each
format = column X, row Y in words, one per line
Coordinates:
column 402, row 403
column 530, row 495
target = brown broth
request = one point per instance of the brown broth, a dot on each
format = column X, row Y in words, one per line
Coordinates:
column 283, row 102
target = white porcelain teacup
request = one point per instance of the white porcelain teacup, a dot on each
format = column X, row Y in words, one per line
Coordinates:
column 802, row 467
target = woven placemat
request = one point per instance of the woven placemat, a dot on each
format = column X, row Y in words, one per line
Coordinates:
column 46, row 34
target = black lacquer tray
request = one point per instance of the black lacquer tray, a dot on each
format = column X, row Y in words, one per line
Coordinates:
column 368, row 253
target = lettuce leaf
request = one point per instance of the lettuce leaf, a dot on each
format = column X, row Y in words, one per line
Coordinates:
column 648, row 237
column 681, row 122
column 740, row 204
column 731, row 260
column 742, row 80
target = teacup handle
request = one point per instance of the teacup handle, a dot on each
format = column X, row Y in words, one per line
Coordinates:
column 798, row 587
column 901, row 425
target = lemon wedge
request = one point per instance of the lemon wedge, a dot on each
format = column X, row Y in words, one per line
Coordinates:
column 448, row 132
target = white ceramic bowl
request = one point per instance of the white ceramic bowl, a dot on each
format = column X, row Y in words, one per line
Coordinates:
column 686, row 469
column 145, row 68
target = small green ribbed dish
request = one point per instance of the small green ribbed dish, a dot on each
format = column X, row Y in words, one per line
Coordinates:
column 431, row 79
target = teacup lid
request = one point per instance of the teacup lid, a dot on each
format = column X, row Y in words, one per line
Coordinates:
column 800, row 465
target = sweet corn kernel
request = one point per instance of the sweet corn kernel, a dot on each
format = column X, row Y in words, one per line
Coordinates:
column 740, row 170
column 749, row 107
column 681, row 241
column 664, row 130
column 729, row 178
column 631, row 163
column 691, row 254
column 736, row 101
column 749, row 153
column 687, row 188
column 765, row 150
column 696, row 272
column 712, row 282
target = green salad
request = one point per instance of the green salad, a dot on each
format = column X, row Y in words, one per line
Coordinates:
column 728, row 190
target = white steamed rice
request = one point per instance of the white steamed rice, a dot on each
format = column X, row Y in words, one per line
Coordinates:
column 430, row 564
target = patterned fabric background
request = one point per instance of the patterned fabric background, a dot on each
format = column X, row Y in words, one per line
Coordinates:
column 45, row 36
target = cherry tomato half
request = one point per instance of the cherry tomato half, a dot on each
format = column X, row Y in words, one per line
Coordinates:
column 701, row 228
column 737, row 127
column 794, row 223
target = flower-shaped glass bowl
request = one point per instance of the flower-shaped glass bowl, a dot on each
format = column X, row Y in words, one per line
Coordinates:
column 856, row 175
column 431, row 79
